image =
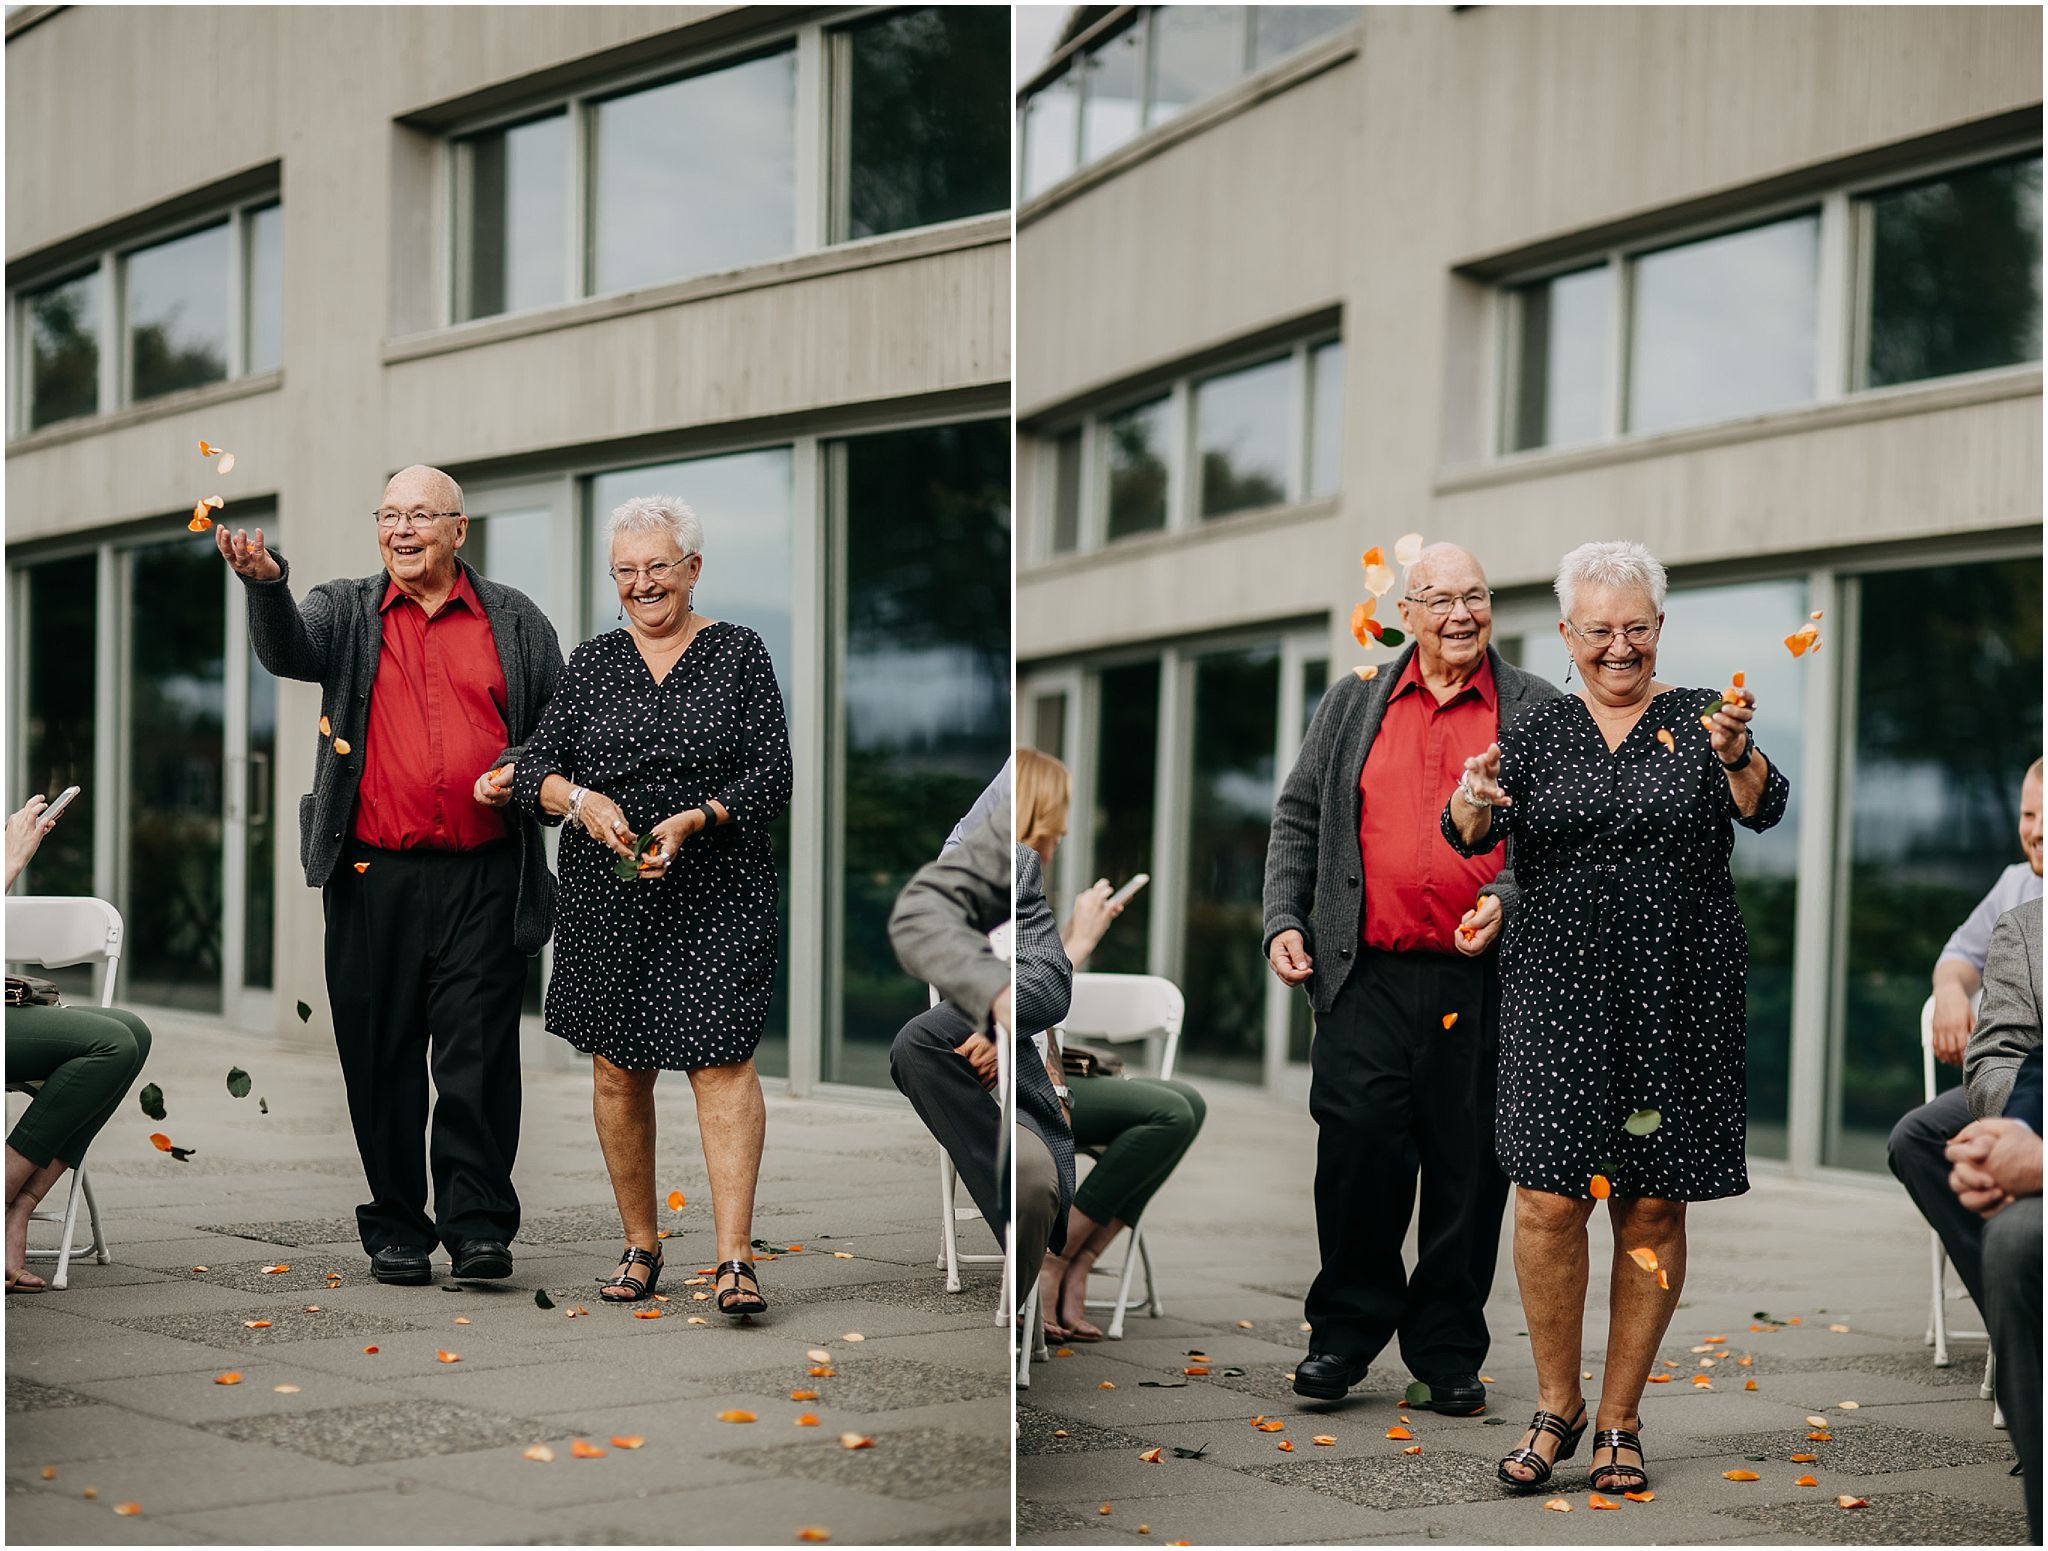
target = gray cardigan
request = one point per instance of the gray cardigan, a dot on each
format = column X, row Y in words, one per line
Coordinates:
column 1313, row 883
column 334, row 640
column 2009, row 1017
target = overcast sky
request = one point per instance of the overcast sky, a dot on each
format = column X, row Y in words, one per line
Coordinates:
column 1037, row 28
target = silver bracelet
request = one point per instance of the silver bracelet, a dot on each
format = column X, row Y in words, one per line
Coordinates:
column 576, row 796
column 1465, row 791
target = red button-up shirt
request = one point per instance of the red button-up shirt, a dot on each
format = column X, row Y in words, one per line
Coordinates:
column 1417, row 888
column 437, row 721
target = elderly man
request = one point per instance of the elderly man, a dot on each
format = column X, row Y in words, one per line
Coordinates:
column 1997, row 1174
column 1388, row 931
column 431, row 679
column 1916, row 1149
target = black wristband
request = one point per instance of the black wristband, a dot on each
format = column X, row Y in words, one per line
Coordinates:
column 1748, row 749
column 710, row 816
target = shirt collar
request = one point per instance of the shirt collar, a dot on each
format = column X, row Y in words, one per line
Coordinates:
column 462, row 592
column 1481, row 683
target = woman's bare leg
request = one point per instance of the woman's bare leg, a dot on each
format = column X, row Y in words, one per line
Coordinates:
column 732, row 1118
column 26, row 1187
column 622, row 1103
column 1639, row 1310
column 1550, row 1266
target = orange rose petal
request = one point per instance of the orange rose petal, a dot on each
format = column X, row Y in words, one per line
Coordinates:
column 811, row 1532
column 1558, row 1505
column 1372, row 557
column 803, row 1394
column 255, row 1324
column 128, row 1510
column 448, row 1357
column 1740, row 1475
column 213, row 503
column 855, row 1441
column 1103, row 1511
column 1151, row 1456
column 1284, row 1446
column 207, row 449
column 277, row 1270
column 1749, row 1383
column 199, row 524
column 462, row 1319
column 647, row 1313
column 1105, row 1384
column 675, row 1200
column 1816, row 614
column 369, row 1351
column 1806, row 1481
column 1850, row 1502
column 1413, row 1448
column 833, row 1373
column 227, row 1378
column 1399, row 1433
column 1449, row 1019
column 1797, row 644
column 1599, row 1188
column 538, row 1452
column 1664, row 1279
column 1804, row 1459
column 1640, row 1497
column 1595, row 1500
column 737, row 1416
column 1670, row 747
column 1646, row 1258
column 586, row 1450
column 1197, row 1373
column 1820, row 1437
column 326, row 728
column 341, row 747
column 808, row 1419
column 1658, row 1378
column 628, row 1441
column 1323, row 1441
column 159, row 1141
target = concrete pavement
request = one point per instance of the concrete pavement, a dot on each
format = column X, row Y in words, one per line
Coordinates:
column 1232, row 1237
column 111, row 1384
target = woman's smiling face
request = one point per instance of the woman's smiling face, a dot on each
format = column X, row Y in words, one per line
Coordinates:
column 657, row 603
column 1617, row 670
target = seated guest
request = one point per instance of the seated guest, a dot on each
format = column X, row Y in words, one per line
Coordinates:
column 1997, row 1173
column 1144, row 1125
column 86, row 1058
column 1915, row 1149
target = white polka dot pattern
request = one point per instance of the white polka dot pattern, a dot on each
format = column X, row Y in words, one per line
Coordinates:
column 1623, row 966
column 672, row 973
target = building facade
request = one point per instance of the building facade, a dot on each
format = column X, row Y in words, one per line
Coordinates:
column 1759, row 287
column 756, row 257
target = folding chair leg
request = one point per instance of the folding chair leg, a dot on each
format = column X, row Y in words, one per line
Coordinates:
column 1151, row 1287
column 1027, row 1321
column 65, row 1248
column 92, row 1212
column 1939, row 1318
column 1986, row 1389
column 949, row 1242
column 1123, row 1286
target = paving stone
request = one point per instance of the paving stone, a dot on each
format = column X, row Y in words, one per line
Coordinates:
column 53, row 1519
column 211, row 1472
column 919, row 1294
column 900, row 1465
column 203, row 1165
column 1036, row 1427
column 32, row 1395
column 1424, row 1480
column 1901, row 1519
column 391, row 1516
column 291, row 1232
column 747, row 1514
column 1872, row 1448
column 983, row 1532
column 1966, row 1369
column 302, row 1279
column 228, row 1328
column 361, row 1435
column 886, row 1384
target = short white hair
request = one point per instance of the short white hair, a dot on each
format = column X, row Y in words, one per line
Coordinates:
column 657, row 514
column 1620, row 564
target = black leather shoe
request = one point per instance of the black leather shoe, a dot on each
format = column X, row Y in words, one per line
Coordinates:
column 405, row 1265
column 1459, row 1395
column 481, row 1260
column 1321, row 1376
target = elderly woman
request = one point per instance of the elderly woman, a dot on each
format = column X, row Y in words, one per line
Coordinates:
column 1142, row 1126
column 86, row 1059
column 672, row 727
column 1622, row 970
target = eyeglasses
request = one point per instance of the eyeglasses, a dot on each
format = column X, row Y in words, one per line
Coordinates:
column 1597, row 636
column 654, row 573
column 1441, row 604
column 390, row 519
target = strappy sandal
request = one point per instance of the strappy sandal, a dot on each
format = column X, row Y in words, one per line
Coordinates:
column 636, row 1287
column 1601, row 1478
column 733, row 1302
column 1542, row 1422
column 26, row 1282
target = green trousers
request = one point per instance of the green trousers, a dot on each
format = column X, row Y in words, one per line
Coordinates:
column 1145, row 1125
column 86, row 1058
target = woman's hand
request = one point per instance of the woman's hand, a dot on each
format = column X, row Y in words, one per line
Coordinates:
column 1481, row 925
column 1728, row 728
column 25, row 831
column 494, row 787
column 1092, row 914
column 1482, row 778
column 669, row 836
column 604, row 821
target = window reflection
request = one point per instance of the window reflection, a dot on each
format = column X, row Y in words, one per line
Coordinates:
column 64, row 351
column 1241, row 437
column 923, row 693
column 62, row 674
column 1955, row 274
column 177, row 313
column 263, row 238
column 1115, row 99
column 1066, row 491
column 517, row 183
column 1135, row 443
column 1051, row 122
column 928, row 124
column 1933, row 815
column 1197, row 50
column 1725, row 327
column 696, row 176
column 1126, row 772
column 1563, row 329
column 1326, row 419
column 259, row 832
column 1278, row 30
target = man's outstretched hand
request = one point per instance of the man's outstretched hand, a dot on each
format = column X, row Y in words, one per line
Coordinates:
column 249, row 557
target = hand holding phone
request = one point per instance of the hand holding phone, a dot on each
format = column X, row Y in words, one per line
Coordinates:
column 1122, row 896
column 63, row 801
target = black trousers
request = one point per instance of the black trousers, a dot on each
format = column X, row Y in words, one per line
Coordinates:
column 1918, row 1154
column 1393, row 1092
column 422, row 975
column 942, row 1087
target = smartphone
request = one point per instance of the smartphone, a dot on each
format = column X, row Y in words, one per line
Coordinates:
column 63, row 801
column 1123, row 894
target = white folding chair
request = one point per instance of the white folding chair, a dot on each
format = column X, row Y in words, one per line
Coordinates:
column 951, row 1214
column 1938, row 1331
column 1122, row 1009
column 55, row 932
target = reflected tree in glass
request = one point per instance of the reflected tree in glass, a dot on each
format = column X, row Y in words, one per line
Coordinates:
column 176, row 306
column 518, row 207
column 1563, row 326
column 1955, row 274
column 62, row 676
column 64, row 351
column 928, row 121
column 1136, row 441
column 1126, row 775
column 1241, row 422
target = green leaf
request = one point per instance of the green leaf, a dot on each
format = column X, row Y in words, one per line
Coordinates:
column 183, row 1154
column 1417, row 1394
column 262, row 1106
column 1180, row 1453
column 626, row 870
column 238, row 1082
column 1389, row 636
column 541, row 1300
column 152, row 1101
column 305, row 1013
column 768, row 1249
column 1231, row 1373
column 1161, row 1384
column 1712, row 706
column 1643, row 1122
column 1495, row 1421
column 1756, row 1458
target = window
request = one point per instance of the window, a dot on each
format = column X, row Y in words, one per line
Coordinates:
column 1126, row 780
column 61, row 600
column 177, row 310
column 1955, row 274
column 1265, row 433
column 1158, row 62
column 1936, row 276
column 609, row 189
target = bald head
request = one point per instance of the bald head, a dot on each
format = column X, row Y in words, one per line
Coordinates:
column 418, row 485
column 419, row 552
column 1451, row 645
column 1445, row 567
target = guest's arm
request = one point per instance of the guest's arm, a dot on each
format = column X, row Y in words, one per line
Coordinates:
column 2009, row 1018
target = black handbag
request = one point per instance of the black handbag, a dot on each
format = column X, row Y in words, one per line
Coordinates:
column 1090, row 1061
column 31, row 991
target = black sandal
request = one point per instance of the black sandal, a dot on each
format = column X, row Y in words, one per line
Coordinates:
column 733, row 1302
column 637, row 1287
column 1558, row 1427
column 1617, row 1439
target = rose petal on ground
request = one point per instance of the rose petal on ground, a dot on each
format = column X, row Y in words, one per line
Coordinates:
column 675, row 1200
column 1640, row 1497
column 1804, row 1459
column 842, row 1254
column 1323, row 1441
column 853, row 1335
column 586, row 1450
column 1849, row 1405
column 1197, row 1373
column 369, row 1351
column 1244, row 1324
column 647, row 1313
column 1701, row 1381
column 1413, row 1448
column 128, row 1510
column 1558, row 1505
column 161, row 1143
column 855, row 1441
column 255, row 1324
column 1840, row 1330
column 1740, row 1475
column 737, row 1416
column 1103, row 1511
column 284, row 1389
column 227, row 1378
column 696, row 1320
column 1151, row 1456
column 818, row 1354
column 1401, row 1434
column 1658, row 1378
column 448, row 1357
column 628, row 1441
column 1806, row 1481
column 1105, row 1384
column 1850, row 1502
column 90, row 1493
column 49, row 1472
column 1820, row 1437
column 1595, row 1500
column 813, row 1532
column 1749, row 1384
column 539, row 1452
column 1273, row 1426
column 1816, row 1421
column 822, row 1372
column 1716, row 1340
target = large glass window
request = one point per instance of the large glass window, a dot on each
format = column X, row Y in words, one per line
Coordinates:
column 1135, row 441
column 1066, row 491
column 1278, row 30
column 177, row 313
column 1955, row 274
column 1946, row 717
column 923, row 690
column 1326, row 419
column 1052, row 117
column 1126, row 776
column 1241, row 436
column 1725, row 326
column 1197, row 50
column 928, row 134
column 515, row 206
column 1114, row 104
column 61, row 673
column 263, row 289
column 259, row 833
column 64, row 350
column 662, row 209
column 1562, row 331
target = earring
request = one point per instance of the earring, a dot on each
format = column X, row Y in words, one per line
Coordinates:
column 1567, row 669
column 691, row 601
column 622, row 611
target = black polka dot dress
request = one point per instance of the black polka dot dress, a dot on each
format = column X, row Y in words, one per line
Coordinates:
column 674, row 972
column 1624, row 964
